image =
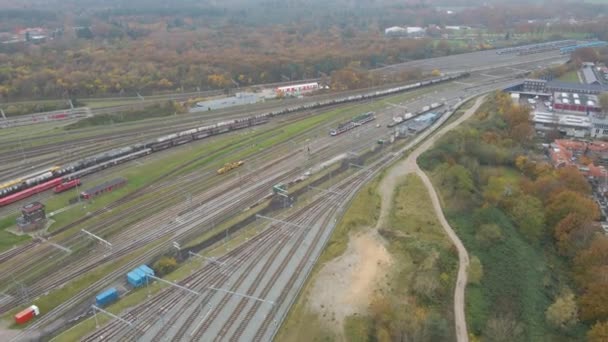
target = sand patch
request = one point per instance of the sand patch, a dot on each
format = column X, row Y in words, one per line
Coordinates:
column 345, row 285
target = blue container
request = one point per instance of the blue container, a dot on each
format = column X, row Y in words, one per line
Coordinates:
column 135, row 279
column 143, row 276
column 106, row 297
column 147, row 270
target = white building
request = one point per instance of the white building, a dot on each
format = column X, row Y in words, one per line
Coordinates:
column 570, row 125
column 297, row 89
column 395, row 31
column 410, row 31
column 416, row 31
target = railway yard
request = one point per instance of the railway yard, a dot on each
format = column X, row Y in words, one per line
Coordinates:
column 211, row 199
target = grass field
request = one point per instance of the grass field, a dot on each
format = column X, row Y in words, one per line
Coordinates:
column 570, row 76
column 8, row 239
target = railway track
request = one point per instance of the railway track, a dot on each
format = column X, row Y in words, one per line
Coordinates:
column 104, row 278
column 302, row 216
column 132, row 240
column 95, row 288
column 124, row 215
column 178, row 234
column 170, row 297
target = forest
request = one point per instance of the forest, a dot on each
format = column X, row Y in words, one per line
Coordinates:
column 116, row 48
column 534, row 229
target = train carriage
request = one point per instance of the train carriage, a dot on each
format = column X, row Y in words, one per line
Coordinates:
column 116, row 156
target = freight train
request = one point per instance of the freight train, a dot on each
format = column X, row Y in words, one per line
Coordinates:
column 11, row 191
column 398, row 120
column 354, row 122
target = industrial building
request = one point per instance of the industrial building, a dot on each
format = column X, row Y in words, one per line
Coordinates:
column 589, row 75
column 104, row 187
column 395, row 31
column 33, row 217
column 574, row 102
column 547, row 88
column 410, row 31
column 569, row 125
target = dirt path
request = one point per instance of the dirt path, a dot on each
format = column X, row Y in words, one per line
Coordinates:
column 386, row 189
column 345, row 285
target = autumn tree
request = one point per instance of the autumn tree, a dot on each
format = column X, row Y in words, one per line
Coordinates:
column 594, row 301
column 563, row 313
column 515, row 115
column 584, row 55
column 218, row 80
column 599, row 332
column 590, row 264
column 496, row 190
column 165, row 265
column 348, row 78
column 574, row 233
column 569, row 202
column 572, row 179
column 528, row 215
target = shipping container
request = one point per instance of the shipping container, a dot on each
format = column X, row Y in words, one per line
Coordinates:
column 134, row 279
column 27, row 314
column 137, row 277
column 147, row 270
column 106, row 297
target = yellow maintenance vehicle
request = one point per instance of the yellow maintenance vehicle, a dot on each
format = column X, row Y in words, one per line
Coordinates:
column 229, row 166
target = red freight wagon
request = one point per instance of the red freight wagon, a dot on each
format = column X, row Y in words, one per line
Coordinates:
column 27, row 314
column 67, row 185
column 29, row 192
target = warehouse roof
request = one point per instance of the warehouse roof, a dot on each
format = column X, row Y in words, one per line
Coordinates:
column 562, row 120
column 589, row 76
column 104, row 185
column 31, row 207
column 577, row 87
